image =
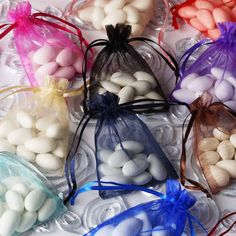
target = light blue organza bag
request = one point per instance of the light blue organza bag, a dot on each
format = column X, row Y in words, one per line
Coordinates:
column 26, row 197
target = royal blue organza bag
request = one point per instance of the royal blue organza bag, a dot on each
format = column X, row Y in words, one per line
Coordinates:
column 213, row 71
column 126, row 152
column 166, row 216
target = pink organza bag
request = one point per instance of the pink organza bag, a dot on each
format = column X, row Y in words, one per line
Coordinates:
column 44, row 45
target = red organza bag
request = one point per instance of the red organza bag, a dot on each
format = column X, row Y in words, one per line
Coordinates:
column 43, row 45
column 204, row 15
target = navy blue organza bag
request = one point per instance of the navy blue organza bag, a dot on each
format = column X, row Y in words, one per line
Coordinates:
column 126, row 151
column 168, row 215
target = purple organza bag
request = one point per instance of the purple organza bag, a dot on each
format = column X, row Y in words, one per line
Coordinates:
column 213, row 71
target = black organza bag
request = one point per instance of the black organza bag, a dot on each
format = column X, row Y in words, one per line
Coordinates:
column 126, row 152
column 120, row 69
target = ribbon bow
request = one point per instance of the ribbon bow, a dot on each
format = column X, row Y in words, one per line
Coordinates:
column 51, row 89
column 23, row 13
column 176, row 201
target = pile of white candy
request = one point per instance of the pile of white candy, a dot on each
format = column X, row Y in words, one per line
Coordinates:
column 193, row 86
column 218, row 157
column 55, row 61
column 117, row 166
column 136, row 13
column 36, row 140
column 22, row 205
column 140, row 85
column 133, row 226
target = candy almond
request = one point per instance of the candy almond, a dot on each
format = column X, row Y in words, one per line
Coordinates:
column 220, row 15
column 233, row 139
column 187, row 12
column 126, row 94
column 114, row 17
column 208, row 144
column 9, row 222
column 226, row 150
column 229, row 166
column 221, row 133
column 113, row 5
column 209, row 158
column 133, row 15
column 122, row 78
column 27, row 221
column 216, row 177
column 206, row 18
column 142, row 5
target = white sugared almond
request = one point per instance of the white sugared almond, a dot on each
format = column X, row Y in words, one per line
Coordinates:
column 131, row 146
column 20, row 136
column 233, row 140
column 122, row 78
column 111, row 87
column 209, row 158
column 142, row 75
column 49, row 161
column 9, row 222
column 217, row 177
column 229, row 166
column 141, row 87
column 34, row 200
column 41, row 144
column 6, row 127
column 118, row 158
column 126, row 94
column 208, row 144
column 226, row 150
column 221, row 133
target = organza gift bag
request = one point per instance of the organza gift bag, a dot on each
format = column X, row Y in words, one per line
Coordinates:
column 126, row 152
column 120, row 69
column 204, row 15
column 168, row 215
column 96, row 14
column 26, row 197
column 44, row 45
column 37, row 129
column 213, row 71
column 214, row 135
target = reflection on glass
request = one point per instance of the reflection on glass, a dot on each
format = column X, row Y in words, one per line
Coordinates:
column 69, row 222
column 205, row 210
column 5, row 5
column 183, row 45
column 45, row 227
column 98, row 211
column 53, row 11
